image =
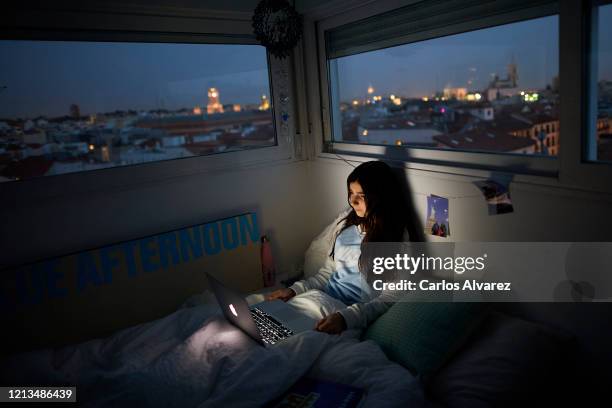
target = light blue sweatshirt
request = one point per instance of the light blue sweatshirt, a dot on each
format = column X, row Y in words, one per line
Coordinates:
column 346, row 283
column 364, row 305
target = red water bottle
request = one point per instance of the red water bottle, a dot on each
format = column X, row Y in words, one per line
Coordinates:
column 267, row 263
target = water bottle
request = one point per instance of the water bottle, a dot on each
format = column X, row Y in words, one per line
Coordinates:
column 267, row 263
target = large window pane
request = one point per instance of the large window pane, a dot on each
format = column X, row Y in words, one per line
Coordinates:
column 490, row 90
column 77, row 106
column 604, row 82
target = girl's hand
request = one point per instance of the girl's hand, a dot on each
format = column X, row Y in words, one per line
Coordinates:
column 283, row 294
column 332, row 324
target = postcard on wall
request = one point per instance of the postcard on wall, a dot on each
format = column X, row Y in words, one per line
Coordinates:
column 437, row 222
column 497, row 195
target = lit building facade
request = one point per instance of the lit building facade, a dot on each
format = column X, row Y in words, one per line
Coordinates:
column 214, row 106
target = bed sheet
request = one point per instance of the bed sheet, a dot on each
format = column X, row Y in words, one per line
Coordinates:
column 193, row 357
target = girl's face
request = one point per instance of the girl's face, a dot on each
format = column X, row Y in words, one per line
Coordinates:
column 357, row 199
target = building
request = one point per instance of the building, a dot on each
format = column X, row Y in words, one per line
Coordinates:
column 431, row 220
column 500, row 88
column 488, row 140
column 396, row 131
column 34, row 136
column 265, row 103
column 214, row 106
column 459, row 94
column 75, row 111
column 481, row 110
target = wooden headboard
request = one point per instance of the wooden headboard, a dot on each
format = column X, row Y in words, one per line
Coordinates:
column 91, row 294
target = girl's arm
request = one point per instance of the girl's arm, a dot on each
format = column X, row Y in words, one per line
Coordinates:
column 318, row 281
column 360, row 315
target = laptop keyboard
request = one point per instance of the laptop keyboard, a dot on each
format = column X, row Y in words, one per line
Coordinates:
column 271, row 330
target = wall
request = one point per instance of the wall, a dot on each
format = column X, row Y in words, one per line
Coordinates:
column 58, row 225
column 541, row 212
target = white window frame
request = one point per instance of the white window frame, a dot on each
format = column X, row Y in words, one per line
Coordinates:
column 151, row 24
column 569, row 170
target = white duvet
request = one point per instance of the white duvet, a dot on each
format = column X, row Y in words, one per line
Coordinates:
column 194, row 358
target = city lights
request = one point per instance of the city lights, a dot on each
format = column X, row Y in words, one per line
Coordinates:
column 69, row 130
column 457, row 117
column 214, row 105
column 265, row 103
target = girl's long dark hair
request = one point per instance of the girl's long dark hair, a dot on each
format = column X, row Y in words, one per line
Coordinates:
column 386, row 210
column 388, row 213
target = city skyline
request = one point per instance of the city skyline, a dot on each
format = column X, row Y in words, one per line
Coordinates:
column 106, row 77
column 464, row 60
column 126, row 76
column 420, row 69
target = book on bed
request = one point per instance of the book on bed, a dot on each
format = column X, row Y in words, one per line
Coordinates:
column 314, row 393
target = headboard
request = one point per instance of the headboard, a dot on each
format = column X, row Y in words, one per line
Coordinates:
column 93, row 293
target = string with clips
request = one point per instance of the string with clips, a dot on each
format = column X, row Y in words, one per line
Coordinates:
column 418, row 192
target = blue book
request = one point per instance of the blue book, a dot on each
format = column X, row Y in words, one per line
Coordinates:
column 313, row 393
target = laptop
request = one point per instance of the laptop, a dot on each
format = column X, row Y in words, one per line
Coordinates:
column 267, row 322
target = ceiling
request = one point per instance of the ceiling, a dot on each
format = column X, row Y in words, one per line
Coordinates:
column 225, row 5
column 235, row 5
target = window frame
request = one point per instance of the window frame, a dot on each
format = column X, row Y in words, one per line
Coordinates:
column 134, row 25
column 577, row 170
column 568, row 170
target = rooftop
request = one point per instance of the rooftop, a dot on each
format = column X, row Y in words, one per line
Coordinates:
column 491, row 140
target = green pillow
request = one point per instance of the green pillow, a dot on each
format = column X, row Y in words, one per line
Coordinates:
column 422, row 336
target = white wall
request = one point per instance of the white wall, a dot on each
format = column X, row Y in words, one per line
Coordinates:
column 73, row 222
column 541, row 212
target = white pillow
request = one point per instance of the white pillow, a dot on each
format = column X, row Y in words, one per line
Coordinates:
column 320, row 247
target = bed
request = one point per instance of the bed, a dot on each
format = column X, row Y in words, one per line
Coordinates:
column 194, row 357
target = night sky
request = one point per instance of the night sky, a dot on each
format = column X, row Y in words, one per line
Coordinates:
column 45, row 78
column 419, row 69
column 440, row 206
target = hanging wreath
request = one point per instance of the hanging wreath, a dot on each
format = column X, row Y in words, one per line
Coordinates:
column 277, row 26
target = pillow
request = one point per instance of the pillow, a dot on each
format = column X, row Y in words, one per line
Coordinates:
column 507, row 362
column 320, row 247
column 422, row 336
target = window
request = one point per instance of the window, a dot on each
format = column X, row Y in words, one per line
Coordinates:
column 490, row 90
column 602, row 53
column 77, row 106
column 347, row 44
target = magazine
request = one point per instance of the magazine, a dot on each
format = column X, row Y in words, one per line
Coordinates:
column 314, row 393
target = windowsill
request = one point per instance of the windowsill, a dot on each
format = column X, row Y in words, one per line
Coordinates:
column 140, row 175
